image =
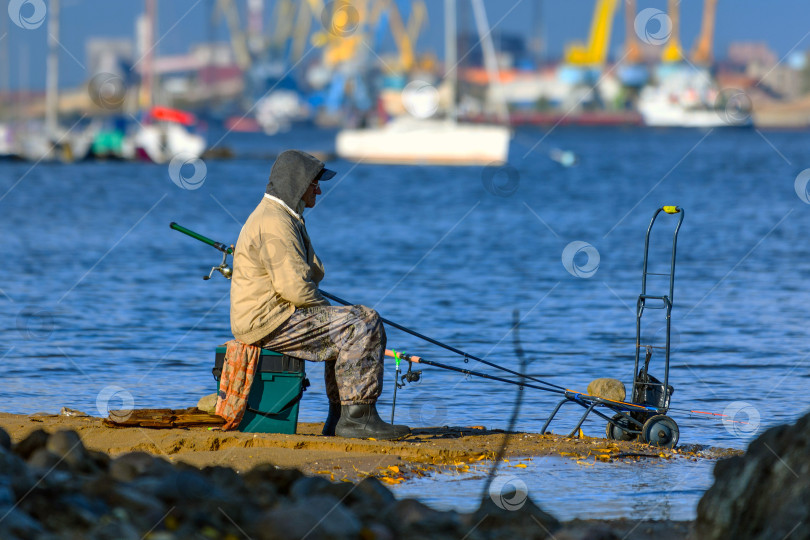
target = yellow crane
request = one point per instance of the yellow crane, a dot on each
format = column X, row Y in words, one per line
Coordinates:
column 673, row 52
column 595, row 52
column 702, row 51
column 367, row 15
column 632, row 51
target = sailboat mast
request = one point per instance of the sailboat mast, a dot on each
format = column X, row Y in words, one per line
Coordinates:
column 52, row 74
column 450, row 54
column 490, row 59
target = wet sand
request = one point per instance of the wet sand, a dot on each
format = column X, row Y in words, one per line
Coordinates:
column 424, row 450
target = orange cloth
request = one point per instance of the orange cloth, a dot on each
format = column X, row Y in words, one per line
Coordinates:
column 241, row 361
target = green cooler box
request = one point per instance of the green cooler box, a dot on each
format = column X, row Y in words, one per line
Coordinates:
column 278, row 385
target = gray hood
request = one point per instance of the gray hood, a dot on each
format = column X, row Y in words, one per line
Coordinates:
column 291, row 175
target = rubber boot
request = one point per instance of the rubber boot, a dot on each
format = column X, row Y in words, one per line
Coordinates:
column 331, row 420
column 361, row 421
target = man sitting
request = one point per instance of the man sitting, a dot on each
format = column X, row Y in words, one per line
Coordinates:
column 275, row 302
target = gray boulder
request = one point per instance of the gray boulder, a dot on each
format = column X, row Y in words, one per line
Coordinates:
column 763, row 494
column 318, row 517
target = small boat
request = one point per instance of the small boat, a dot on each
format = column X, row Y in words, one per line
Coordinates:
column 424, row 141
column 165, row 134
column 419, row 138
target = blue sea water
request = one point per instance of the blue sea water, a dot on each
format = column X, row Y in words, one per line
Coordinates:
column 103, row 305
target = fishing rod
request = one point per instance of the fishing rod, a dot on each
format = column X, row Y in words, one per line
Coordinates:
column 226, row 271
column 420, row 360
column 223, row 267
column 467, row 356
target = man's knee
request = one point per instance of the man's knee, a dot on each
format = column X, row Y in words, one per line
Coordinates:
column 370, row 315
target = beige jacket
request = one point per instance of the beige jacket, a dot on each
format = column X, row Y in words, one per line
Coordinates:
column 275, row 270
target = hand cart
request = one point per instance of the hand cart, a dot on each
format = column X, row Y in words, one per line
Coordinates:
column 645, row 416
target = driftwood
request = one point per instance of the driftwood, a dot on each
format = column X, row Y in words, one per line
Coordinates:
column 163, row 418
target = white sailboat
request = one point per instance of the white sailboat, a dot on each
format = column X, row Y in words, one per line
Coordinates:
column 417, row 140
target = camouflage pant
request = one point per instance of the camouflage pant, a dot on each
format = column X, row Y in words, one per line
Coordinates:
column 350, row 339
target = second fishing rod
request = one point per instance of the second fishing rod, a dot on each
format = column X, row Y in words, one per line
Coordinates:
column 226, row 271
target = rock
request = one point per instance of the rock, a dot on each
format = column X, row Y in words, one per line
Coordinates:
column 67, row 446
column 308, row 486
column 5, row 439
column 17, row 522
column 411, row 518
column 224, row 477
column 100, row 459
column 282, row 479
column 527, row 521
column 43, row 459
column 187, row 485
column 764, row 493
column 318, row 517
column 126, row 467
column 66, row 411
column 372, row 490
column 7, row 497
column 208, row 403
column 607, row 388
column 599, row 533
column 34, row 441
column 118, row 530
column 136, row 503
column 376, row 531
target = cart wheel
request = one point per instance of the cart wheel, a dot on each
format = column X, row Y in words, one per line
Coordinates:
column 660, row 430
column 619, row 433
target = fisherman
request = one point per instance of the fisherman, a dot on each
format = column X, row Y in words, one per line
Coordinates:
column 276, row 304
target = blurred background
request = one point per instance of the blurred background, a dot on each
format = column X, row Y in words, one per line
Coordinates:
column 87, row 79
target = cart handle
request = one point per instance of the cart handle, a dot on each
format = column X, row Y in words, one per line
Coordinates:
column 671, row 209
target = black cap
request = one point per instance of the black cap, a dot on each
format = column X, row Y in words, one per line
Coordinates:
column 325, row 174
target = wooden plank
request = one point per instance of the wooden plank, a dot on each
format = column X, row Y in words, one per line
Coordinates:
column 162, row 418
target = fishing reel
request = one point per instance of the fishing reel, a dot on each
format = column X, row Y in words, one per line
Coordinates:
column 410, row 376
column 223, row 268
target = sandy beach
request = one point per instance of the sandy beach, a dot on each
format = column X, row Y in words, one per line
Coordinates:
column 342, row 459
column 428, row 451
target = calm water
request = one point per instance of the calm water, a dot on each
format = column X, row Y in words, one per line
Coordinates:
column 103, row 305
